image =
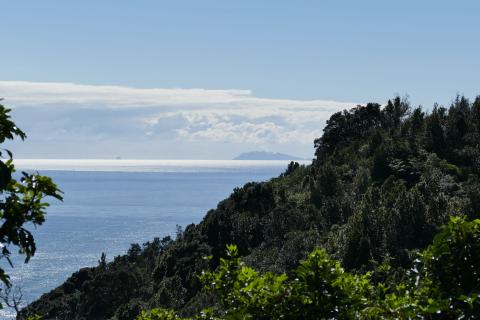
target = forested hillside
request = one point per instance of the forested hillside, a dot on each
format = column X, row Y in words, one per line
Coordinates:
column 383, row 180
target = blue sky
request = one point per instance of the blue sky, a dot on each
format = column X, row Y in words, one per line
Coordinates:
column 280, row 51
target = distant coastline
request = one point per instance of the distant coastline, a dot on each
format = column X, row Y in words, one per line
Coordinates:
column 131, row 165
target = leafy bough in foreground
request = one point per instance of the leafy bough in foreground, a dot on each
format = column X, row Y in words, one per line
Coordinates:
column 444, row 283
column 22, row 202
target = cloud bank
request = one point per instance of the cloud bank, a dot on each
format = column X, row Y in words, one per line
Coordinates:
column 174, row 122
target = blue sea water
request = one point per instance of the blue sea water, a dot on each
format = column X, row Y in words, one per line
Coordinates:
column 105, row 209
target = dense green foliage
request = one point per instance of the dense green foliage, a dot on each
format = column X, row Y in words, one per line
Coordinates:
column 384, row 179
column 21, row 202
column 443, row 283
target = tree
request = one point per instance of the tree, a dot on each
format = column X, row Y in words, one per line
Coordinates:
column 22, row 201
column 13, row 298
column 435, row 131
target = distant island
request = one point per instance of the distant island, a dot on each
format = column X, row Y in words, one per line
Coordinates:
column 265, row 155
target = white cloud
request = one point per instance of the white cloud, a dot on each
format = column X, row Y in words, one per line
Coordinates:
column 22, row 93
column 88, row 112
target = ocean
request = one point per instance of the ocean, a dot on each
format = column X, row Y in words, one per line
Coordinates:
column 110, row 204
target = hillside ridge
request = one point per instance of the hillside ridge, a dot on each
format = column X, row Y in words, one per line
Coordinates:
column 382, row 182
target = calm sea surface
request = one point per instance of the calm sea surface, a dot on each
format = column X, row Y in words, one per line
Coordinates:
column 109, row 204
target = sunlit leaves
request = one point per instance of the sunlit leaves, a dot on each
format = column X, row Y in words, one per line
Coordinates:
column 22, row 202
column 443, row 284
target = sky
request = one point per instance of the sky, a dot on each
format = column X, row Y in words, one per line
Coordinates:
column 211, row 79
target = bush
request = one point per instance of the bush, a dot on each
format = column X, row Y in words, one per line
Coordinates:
column 443, row 283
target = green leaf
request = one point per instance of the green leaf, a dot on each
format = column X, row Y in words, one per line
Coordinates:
column 5, row 175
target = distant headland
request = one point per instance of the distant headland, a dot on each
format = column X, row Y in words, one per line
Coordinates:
column 265, row 155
